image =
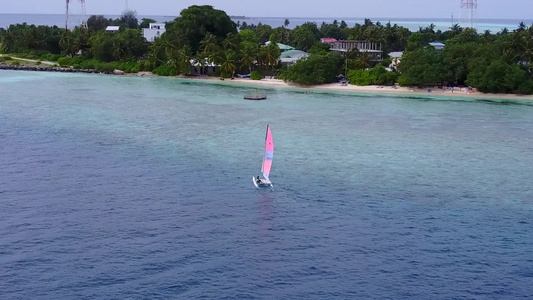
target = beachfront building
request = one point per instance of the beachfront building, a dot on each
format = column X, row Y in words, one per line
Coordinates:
column 291, row 56
column 154, row 31
column 282, row 47
column 437, row 46
column 329, row 41
column 207, row 68
column 373, row 49
column 112, row 28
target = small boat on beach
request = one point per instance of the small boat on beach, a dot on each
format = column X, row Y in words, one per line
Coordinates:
column 267, row 162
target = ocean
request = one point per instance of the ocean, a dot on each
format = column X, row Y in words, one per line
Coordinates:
column 116, row 187
column 413, row 24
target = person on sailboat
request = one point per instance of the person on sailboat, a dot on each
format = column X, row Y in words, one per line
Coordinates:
column 258, row 180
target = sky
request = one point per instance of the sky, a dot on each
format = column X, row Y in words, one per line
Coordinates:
column 487, row 9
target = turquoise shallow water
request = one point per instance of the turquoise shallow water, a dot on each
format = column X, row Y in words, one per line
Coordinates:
column 125, row 187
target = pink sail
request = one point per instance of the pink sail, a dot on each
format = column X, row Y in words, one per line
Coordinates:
column 269, row 153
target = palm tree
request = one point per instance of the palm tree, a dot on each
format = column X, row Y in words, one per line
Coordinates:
column 8, row 41
column 456, row 29
column 67, row 44
column 248, row 56
column 363, row 62
column 118, row 51
column 231, row 42
column 228, row 62
column 200, row 59
column 368, row 23
column 270, row 54
column 184, row 60
column 156, row 54
column 372, row 34
column 209, row 43
column 521, row 27
column 516, row 43
column 358, row 33
column 527, row 46
column 403, row 37
column 210, row 47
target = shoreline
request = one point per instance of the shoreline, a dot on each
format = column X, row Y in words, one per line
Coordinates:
column 278, row 83
column 354, row 89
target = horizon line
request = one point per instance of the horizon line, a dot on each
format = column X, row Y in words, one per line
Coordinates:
column 273, row 17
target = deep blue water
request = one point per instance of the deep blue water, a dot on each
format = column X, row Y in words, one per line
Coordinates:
column 123, row 187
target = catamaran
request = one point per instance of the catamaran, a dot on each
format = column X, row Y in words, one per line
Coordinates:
column 267, row 162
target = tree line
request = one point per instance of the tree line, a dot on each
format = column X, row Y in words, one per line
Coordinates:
column 203, row 36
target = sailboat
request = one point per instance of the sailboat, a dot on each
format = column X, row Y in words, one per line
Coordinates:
column 267, row 162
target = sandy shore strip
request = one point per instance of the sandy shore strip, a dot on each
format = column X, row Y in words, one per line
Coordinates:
column 337, row 87
column 373, row 89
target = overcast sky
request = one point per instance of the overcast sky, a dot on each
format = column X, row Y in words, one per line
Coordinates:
column 493, row 9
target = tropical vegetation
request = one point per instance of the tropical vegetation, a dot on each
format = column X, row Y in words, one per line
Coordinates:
column 204, row 36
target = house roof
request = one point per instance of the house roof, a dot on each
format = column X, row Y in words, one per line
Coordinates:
column 328, row 40
column 291, row 56
column 437, row 44
column 294, row 54
column 396, row 54
column 112, row 28
column 281, row 46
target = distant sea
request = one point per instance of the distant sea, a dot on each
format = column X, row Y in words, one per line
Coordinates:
column 494, row 25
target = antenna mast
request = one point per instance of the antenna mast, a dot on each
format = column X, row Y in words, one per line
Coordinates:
column 468, row 8
column 66, row 14
column 83, row 14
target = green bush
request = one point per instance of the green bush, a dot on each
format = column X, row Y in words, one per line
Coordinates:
column 77, row 60
column 2, row 59
column 255, row 76
column 38, row 62
column 105, row 67
column 15, row 63
column 77, row 66
column 7, row 57
column 135, row 68
column 165, row 70
column 129, row 67
column 89, row 64
column 64, row 61
column 375, row 76
column 315, row 69
column 145, row 65
column 50, row 57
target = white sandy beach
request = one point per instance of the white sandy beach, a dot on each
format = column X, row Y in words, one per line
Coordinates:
column 337, row 87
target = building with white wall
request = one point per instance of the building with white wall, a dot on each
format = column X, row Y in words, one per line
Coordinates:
column 154, row 31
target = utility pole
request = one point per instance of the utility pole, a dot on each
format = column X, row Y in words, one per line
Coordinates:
column 66, row 15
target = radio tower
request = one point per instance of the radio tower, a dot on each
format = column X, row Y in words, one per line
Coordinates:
column 66, row 14
column 82, row 16
column 468, row 8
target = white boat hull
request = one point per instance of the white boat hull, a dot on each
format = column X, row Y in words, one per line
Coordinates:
column 264, row 183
